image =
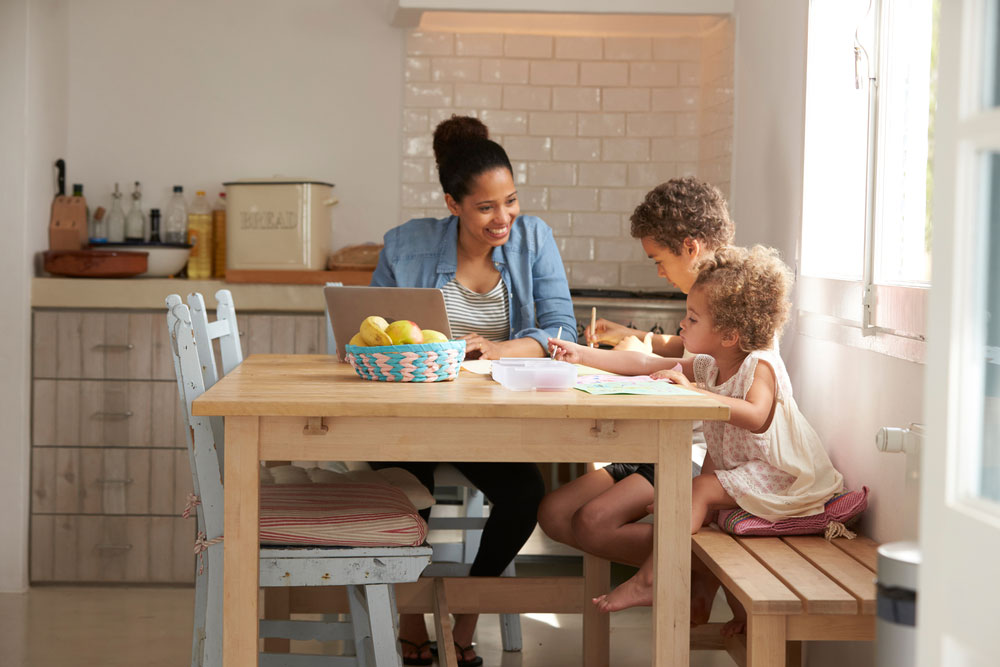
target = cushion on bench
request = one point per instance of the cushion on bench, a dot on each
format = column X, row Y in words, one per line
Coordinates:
column 841, row 509
column 343, row 514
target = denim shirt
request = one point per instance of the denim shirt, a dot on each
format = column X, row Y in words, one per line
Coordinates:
column 424, row 253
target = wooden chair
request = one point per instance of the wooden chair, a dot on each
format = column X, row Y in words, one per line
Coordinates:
column 453, row 559
column 367, row 573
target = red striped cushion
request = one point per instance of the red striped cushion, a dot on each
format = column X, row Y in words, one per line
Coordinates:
column 349, row 515
column 841, row 508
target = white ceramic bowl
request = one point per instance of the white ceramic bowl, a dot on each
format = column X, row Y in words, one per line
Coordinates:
column 163, row 261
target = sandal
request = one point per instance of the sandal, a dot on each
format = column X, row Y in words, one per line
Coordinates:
column 474, row 662
column 418, row 660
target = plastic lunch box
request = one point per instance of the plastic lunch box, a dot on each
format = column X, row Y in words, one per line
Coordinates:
column 541, row 374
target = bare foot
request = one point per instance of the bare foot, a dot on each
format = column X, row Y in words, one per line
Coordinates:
column 632, row 593
column 703, row 589
column 738, row 625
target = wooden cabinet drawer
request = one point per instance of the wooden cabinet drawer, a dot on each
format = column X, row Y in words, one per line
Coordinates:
column 97, row 413
column 83, row 480
column 101, row 344
column 78, row 548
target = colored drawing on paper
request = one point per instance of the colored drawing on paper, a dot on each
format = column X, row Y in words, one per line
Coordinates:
column 621, row 384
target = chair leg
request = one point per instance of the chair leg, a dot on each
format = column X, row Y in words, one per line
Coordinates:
column 360, row 624
column 213, row 607
column 200, row 609
column 380, row 613
column 277, row 606
column 510, row 624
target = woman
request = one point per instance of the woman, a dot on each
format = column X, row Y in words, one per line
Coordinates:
column 506, row 294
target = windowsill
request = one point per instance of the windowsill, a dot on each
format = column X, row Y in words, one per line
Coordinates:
column 830, row 310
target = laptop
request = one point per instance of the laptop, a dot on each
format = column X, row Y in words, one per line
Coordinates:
column 349, row 306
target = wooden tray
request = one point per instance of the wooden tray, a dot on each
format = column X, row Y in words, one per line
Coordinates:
column 94, row 263
column 351, row 277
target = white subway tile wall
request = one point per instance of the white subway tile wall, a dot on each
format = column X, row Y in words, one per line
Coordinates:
column 590, row 123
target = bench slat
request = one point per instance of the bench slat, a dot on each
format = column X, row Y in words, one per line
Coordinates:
column 862, row 549
column 759, row 591
column 819, row 595
column 854, row 577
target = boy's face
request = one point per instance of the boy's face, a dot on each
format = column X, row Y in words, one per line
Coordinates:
column 677, row 269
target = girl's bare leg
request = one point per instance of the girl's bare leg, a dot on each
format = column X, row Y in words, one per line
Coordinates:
column 706, row 492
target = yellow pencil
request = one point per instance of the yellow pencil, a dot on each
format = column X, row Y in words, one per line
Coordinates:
column 593, row 323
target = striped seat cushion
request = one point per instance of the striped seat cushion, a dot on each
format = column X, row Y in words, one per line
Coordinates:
column 841, row 509
column 343, row 514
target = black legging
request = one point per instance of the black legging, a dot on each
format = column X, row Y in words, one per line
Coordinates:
column 514, row 489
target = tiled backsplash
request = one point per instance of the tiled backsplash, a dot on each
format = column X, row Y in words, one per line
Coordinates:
column 590, row 123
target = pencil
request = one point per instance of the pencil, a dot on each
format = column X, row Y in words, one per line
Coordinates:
column 593, row 323
column 558, row 337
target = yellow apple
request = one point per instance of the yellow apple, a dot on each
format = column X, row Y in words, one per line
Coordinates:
column 404, row 332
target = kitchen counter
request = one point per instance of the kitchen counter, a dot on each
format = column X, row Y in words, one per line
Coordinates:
column 150, row 293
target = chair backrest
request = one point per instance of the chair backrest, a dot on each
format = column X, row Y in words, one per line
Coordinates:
column 206, row 470
column 224, row 328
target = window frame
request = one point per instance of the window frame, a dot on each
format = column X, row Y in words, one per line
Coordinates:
column 880, row 316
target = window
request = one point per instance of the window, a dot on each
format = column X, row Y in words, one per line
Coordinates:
column 870, row 98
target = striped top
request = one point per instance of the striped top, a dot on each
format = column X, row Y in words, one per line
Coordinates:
column 471, row 312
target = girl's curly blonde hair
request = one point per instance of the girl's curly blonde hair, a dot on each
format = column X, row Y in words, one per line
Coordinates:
column 747, row 290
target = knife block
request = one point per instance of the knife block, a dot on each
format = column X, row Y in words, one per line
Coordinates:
column 68, row 225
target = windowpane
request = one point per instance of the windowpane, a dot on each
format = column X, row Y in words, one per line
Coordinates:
column 907, row 99
column 836, row 138
column 990, row 475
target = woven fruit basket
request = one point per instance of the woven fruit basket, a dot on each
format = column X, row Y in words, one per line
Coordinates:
column 426, row 362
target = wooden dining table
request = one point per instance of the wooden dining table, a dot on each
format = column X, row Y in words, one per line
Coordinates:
column 312, row 407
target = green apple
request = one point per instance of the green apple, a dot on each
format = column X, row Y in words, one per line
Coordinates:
column 431, row 336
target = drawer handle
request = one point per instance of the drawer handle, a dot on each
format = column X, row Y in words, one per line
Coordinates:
column 113, row 415
column 115, row 481
column 109, row 346
column 114, row 547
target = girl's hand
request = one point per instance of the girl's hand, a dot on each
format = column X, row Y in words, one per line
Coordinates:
column 633, row 343
column 673, row 375
column 606, row 331
column 477, row 347
column 564, row 350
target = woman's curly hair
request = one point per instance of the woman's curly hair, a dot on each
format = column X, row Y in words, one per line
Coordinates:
column 683, row 208
column 747, row 292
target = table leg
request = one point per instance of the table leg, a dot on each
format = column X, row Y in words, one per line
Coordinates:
column 672, row 547
column 241, row 544
column 596, row 625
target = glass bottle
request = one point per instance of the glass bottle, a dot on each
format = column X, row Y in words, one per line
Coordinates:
column 199, row 232
column 116, row 218
column 154, row 225
column 100, row 232
column 135, row 221
column 175, row 219
column 219, row 237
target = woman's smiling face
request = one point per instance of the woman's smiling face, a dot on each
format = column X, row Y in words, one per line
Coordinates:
column 487, row 212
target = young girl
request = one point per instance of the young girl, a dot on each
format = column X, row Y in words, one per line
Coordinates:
column 766, row 459
column 679, row 223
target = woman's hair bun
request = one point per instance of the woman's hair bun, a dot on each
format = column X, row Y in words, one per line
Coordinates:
column 454, row 133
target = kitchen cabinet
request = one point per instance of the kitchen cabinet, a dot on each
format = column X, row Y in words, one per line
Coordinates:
column 110, row 473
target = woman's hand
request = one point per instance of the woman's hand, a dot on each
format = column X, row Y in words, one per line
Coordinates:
column 564, row 350
column 606, row 331
column 477, row 347
column 633, row 343
column 674, row 375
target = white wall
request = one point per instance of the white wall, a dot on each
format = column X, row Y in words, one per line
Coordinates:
column 846, row 393
column 196, row 93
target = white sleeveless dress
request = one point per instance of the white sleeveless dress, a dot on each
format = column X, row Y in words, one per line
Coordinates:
column 782, row 472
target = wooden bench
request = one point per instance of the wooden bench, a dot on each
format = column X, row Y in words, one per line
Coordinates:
column 794, row 589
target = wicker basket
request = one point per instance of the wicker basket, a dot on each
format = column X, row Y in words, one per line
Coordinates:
column 426, row 362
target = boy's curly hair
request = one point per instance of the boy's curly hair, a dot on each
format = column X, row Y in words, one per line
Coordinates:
column 683, row 208
column 747, row 292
